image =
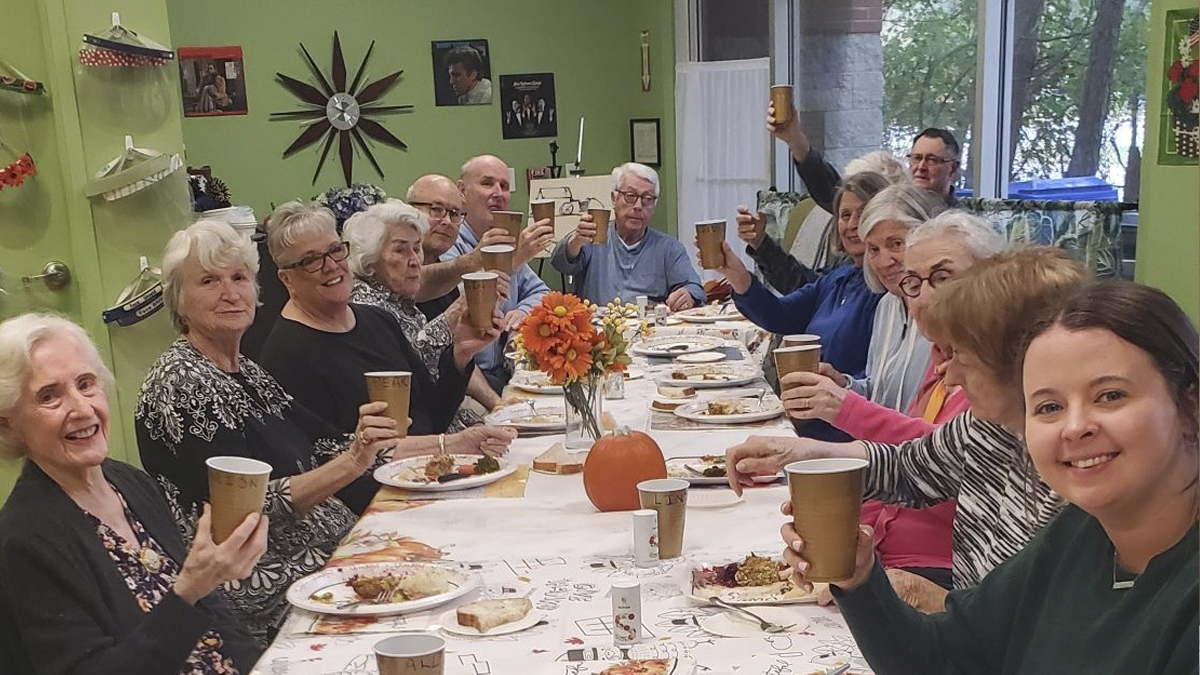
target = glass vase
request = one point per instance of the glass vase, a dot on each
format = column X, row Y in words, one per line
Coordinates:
column 584, row 413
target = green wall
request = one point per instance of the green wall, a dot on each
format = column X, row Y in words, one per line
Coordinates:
column 593, row 49
column 1169, row 213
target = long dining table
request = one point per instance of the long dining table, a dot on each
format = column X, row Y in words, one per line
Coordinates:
column 537, row 535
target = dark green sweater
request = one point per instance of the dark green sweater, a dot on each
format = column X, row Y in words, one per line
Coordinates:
column 1050, row 609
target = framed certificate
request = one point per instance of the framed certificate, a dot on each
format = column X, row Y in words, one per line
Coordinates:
column 645, row 143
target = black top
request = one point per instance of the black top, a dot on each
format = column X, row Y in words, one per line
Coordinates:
column 324, row 371
column 434, row 308
column 65, row 607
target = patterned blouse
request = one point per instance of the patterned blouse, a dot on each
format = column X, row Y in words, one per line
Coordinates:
column 150, row 574
column 189, row 410
column 428, row 337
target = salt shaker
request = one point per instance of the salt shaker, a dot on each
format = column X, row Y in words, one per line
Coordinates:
column 645, row 537
column 627, row 611
column 643, row 301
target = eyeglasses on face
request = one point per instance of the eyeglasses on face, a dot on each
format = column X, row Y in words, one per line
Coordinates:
column 910, row 284
column 631, row 198
column 437, row 211
column 931, row 160
column 313, row 262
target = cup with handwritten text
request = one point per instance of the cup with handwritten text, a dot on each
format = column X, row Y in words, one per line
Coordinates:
column 237, row 487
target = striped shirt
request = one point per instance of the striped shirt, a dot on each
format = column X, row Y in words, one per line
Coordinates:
column 1001, row 503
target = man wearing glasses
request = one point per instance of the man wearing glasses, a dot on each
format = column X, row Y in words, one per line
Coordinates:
column 635, row 260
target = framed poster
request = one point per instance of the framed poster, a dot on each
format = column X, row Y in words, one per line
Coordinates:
column 213, row 81
column 645, row 142
column 1179, row 119
column 527, row 106
column 462, row 72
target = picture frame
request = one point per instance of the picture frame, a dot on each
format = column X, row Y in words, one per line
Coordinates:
column 645, row 141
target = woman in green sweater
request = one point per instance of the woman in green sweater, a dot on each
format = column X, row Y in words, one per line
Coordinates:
column 1110, row 586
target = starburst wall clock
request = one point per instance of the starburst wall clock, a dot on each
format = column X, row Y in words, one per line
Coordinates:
column 341, row 114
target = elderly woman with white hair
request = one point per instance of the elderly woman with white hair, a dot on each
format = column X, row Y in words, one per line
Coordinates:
column 323, row 343
column 95, row 577
column 203, row 398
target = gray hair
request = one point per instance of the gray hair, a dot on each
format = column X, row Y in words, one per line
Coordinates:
column 217, row 245
column 293, row 220
column 981, row 239
column 881, row 162
column 902, row 202
column 18, row 338
column 366, row 231
column 620, row 173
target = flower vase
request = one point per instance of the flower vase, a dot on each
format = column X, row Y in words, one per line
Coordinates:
column 584, row 413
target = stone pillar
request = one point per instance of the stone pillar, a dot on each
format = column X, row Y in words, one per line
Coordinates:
column 839, row 84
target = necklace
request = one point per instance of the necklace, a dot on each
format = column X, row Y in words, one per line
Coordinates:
column 1124, row 579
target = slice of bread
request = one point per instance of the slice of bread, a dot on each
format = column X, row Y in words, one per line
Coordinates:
column 484, row 615
column 558, row 461
column 666, row 405
column 667, row 391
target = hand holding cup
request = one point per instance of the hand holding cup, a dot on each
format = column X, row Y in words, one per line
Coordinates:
column 793, row 555
column 752, row 227
column 209, row 564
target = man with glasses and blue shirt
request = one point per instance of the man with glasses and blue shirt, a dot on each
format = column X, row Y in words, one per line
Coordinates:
column 635, row 260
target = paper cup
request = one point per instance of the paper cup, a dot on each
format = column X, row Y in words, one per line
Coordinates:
column 237, row 487
column 509, row 220
column 498, row 258
column 710, row 235
column 781, row 96
column 826, row 500
column 668, row 498
column 541, row 209
column 480, row 289
column 392, row 387
column 794, row 359
column 411, row 655
column 600, row 217
column 801, row 340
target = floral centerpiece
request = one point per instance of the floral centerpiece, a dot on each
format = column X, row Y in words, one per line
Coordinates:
column 347, row 201
column 1182, row 95
column 560, row 339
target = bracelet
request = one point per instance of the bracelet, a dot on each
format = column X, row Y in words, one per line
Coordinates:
column 442, row 443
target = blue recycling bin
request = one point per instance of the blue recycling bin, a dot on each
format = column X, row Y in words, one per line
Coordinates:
column 1073, row 189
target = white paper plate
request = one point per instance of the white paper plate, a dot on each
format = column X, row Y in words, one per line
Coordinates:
column 701, row 357
column 682, row 467
column 409, row 474
column 681, row 665
column 734, row 625
column 710, row 314
column 712, row 499
column 333, row 580
column 449, row 623
column 535, row 388
column 698, row 412
column 721, row 376
column 546, row 418
column 674, row 345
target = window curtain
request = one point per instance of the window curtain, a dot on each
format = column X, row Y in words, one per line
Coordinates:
column 723, row 148
column 1090, row 231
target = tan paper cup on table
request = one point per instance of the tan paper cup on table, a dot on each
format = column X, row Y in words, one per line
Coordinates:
column 480, row 289
column 710, row 235
column 600, row 217
column 498, row 257
column 393, row 388
column 667, row 497
column 826, row 500
column 411, row 655
column 793, row 359
column 801, row 340
column 237, row 487
column 781, row 96
column 509, row 220
column 542, row 209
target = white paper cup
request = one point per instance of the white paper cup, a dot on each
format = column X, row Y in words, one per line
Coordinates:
column 411, row 655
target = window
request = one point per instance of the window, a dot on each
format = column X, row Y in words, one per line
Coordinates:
column 734, row 29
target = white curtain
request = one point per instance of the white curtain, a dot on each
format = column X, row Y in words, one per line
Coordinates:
column 722, row 145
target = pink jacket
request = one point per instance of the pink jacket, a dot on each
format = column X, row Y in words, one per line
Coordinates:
column 905, row 537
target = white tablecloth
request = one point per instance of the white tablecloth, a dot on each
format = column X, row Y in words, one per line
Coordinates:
column 553, row 546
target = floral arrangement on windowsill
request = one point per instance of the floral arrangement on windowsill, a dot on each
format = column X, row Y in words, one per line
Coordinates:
column 347, row 201
column 560, row 339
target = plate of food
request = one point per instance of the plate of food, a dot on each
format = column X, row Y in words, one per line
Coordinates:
column 442, row 472
column 485, row 618
column 698, row 470
column 530, row 418
column 711, row 313
column 708, row 376
column 754, row 580
column 674, row 345
column 377, row 589
column 672, row 666
column 730, row 410
column 535, row 383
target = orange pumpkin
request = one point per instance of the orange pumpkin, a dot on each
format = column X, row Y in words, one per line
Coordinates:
column 616, row 464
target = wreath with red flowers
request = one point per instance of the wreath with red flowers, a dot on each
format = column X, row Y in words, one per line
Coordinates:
column 1185, row 83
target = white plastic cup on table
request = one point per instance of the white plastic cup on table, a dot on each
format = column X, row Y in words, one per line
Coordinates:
column 237, row 487
column 627, row 611
column 645, row 538
column 411, row 655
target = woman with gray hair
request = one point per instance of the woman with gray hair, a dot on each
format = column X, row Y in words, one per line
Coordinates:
column 203, row 398
column 95, row 576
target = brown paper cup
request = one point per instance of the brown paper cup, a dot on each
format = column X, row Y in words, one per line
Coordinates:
column 237, row 487
column 668, row 497
column 480, row 289
column 509, row 220
column 600, row 217
column 710, row 235
column 542, row 209
column 826, row 500
column 411, row 655
column 781, row 96
column 801, row 340
column 393, row 389
column 498, row 258
column 793, row 359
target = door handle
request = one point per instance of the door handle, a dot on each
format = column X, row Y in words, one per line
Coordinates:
column 56, row 275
